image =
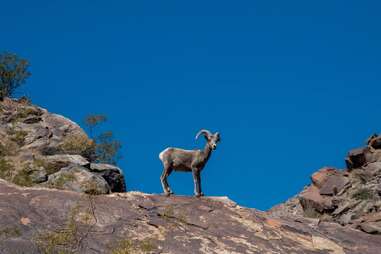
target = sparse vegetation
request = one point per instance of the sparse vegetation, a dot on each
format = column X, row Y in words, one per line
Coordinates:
column 169, row 213
column 24, row 112
column 106, row 147
column 3, row 150
column 91, row 188
column 364, row 194
column 6, row 169
column 92, row 121
column 13, row 73
column 50, row 168
column 62, row 240
column 78, row 144
column 17, row 136
column 127, row 246
column 10, row 232
column 23, row 178
column 9, row 148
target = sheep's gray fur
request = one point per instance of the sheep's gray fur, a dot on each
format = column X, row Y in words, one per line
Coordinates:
column 188, row 161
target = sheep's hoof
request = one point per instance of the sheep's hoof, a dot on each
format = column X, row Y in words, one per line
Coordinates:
column 198, row 195
column 169, row 193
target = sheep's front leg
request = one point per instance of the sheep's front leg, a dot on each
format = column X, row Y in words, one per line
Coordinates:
column 197, row 183
column 164, row 182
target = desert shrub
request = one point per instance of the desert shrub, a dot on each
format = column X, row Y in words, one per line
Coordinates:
column 23, row 178
column 9, row 232
column 127, row 246
column 24, row 112
column 8, row 148
column 13, row 73
column 78, row 144
column 363, row 194
column 6, row 169
column 18, row 136
column 3, row 150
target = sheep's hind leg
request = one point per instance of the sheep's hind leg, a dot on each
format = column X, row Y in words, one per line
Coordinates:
column 164, row 182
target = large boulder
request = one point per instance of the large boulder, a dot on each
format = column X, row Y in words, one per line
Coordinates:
column 67, row 159
column 112, row 174
column 356, row 158
column 36, row 145
column 79, row 179
column 313, row 202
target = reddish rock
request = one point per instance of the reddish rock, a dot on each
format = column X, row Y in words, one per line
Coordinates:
column 334, row 184
column 356, row 158
column 311, row 199
column 320, row 177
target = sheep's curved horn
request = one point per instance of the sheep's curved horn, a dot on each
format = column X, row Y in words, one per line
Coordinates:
column 205, row 132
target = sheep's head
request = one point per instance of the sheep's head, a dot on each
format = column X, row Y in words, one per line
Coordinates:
column 212, row 139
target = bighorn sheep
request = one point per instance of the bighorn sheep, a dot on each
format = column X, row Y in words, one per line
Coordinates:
column 188, row 161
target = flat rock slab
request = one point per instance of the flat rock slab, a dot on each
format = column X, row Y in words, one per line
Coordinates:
column 36, row 219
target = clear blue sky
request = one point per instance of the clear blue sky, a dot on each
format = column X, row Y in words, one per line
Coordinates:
column 291, row 85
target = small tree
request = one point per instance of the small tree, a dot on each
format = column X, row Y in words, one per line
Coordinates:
column 92, row 121
column 13, row 73
column 106, row 147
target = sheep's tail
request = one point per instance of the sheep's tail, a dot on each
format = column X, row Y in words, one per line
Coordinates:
column 161, row 155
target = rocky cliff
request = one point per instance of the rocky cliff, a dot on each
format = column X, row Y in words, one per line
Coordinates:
column 350, row 197
column 38, row 148
column 48, row 203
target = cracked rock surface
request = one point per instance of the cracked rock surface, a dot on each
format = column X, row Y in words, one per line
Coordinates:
column 350, row 197
column 38, row 220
